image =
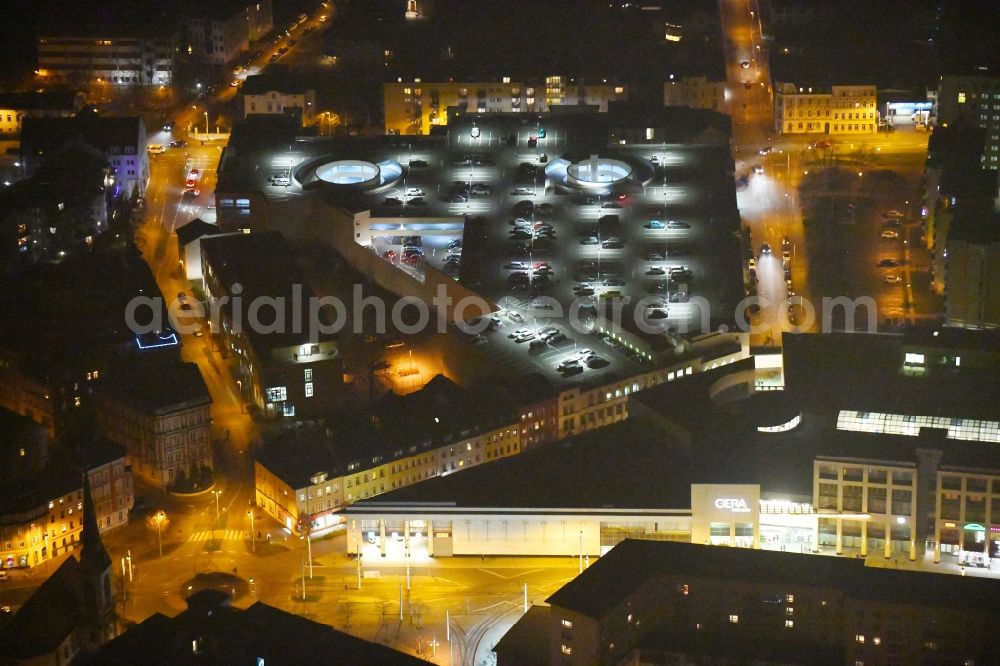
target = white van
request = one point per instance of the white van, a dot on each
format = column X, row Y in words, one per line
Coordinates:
column 156, row 149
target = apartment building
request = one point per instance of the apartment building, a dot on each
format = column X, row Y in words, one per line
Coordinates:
column 665, row 603
column 698, row 92
column 16, row 106
column 834, row 110
column 414, row 107
column 105, row 60
column 279, row 91
column 433, row 432
column 159, row 411
column 974, row 100
column 218, row 32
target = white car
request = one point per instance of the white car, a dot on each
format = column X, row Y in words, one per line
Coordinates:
column 890, row 234
column 892, row 278
column 414, row 192
column 895, row 214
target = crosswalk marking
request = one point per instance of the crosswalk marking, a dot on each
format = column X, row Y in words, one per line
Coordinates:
column 221, row 535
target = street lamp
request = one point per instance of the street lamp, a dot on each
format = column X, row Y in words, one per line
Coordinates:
column 253, row 535
column 159, row 518
column 206, row 123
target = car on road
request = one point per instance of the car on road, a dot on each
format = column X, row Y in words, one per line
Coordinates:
column 744, row 64
column 480, row 189
column 674, row 224
column 418, row 164
column 680, row 272
column 613, row 244
column 891, row 278
column 457, row 198
column 417, row 201
column 192, row 192
column 822, row 143
column 611, row 204
column 889, row 263
column 235, row 83
column 748, row 84
column 765, row 249
column 613, row 282
column 155, row 149
column 766, row 150
column 895, row 214
column 179, row 143
column 656, row 224
column 657, row 313
column 678, row 297
column 414, row 192
column 758, row 169
column 595, row 361
column 524, row 337
column 589, row 240
column 889, row 234
column 654, row 256
column 568, row 363
column 168, row 126
column 655, row 270
column 392, row 202
column 516, row 266
column 389, row 255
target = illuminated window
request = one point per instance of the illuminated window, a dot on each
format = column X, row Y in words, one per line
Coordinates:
column 789, row 610
column 914, row 358
column 789, row 598
column 860, row 638
column 734, row 619
column 619, row 90
column 309, row 389
column 961, row 98
column 567, row 623
column 877, row 641
column 628, row 618
column 309, row 374
column 21, row 452
column 789, row 624
column 567, row 649
column 958, row 361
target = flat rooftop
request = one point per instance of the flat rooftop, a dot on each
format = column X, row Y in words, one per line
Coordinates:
column 630, row 465
column 634, row 563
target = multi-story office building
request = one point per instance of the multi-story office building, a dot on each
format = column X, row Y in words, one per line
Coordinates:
column 285, row 369
column 103, row 59
column 279, row 91
column 16, row 106
column 159, row 411
column 976, row 101
column 698, row 92
column 667, row 603
column 218, row 32
column 414, row 107
column 835, row 110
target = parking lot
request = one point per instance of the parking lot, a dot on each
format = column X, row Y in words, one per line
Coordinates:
column 535, row 244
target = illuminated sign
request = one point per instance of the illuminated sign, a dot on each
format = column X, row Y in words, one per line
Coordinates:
column 733, row 504
column 277, row 394
column 975, row 527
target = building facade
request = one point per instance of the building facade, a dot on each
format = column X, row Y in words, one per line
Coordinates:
column 414, row 107
column 697, row 92
column 975, row 100
column 124, row 61
column 972, row 281
column 162, row 419
column 667, row 603
column 281, row 99
column 284, row 367
column 838, row 110
column 225, row 30
column 15, row 106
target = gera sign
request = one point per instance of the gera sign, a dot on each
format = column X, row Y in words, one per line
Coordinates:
column 734, row 504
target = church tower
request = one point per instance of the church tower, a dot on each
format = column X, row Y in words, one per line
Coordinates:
column 98, row 622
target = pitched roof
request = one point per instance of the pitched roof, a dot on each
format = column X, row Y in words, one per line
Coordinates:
column 45, row 100
column 47, row 617
column 278, row 78
column 194, row 230
column 156, row 384
column 226, row 635
column 40, row 136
